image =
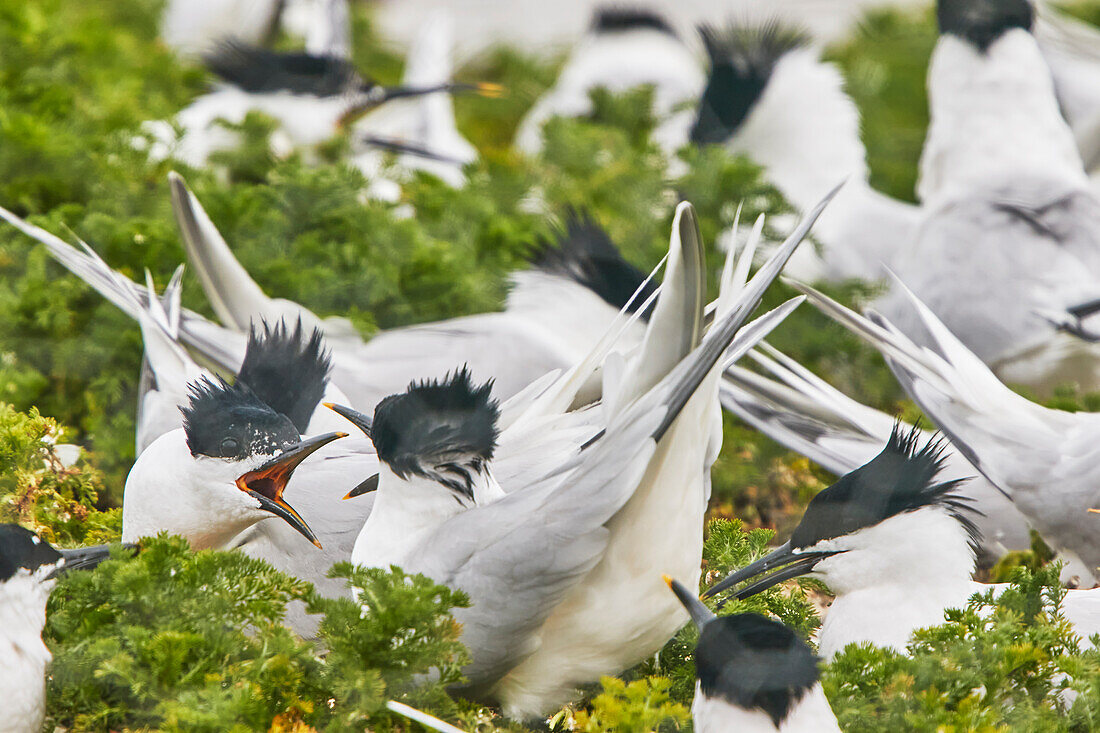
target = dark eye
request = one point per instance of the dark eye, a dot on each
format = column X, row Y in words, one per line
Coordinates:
column 230, row 447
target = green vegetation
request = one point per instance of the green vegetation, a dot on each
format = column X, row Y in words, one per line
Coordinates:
column 77, row 79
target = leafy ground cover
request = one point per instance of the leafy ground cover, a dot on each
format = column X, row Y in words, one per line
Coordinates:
column 77, row 78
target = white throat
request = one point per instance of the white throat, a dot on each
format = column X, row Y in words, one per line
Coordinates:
column 994, row 118
column 897, row 576
column 23, row 655
column 407, row 511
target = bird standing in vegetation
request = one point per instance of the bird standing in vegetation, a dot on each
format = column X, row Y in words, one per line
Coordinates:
column 28, row 568
column 753, row 674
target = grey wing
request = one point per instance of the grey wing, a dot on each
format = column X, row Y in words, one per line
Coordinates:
column 519, row 556
column 987, row 268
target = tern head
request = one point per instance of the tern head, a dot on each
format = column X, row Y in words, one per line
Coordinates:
column 621, row 19
column 741, row 62
column 888, row 519
column 242, row 454
column 287, row 370
column 748, row 661
column 982, row 22
column 444, row 431
column 24, row 553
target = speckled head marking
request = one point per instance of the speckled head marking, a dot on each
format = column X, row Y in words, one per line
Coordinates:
column 741, row 62
column 902, row 478
column 229, row 421
column 981, row 22
column 613, row 18
column 441, row 429
column 258, row 70
column 22, row 549
column 585, row 254
column 754, row 663
column 286, row 370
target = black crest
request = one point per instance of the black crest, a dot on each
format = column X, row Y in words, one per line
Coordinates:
column 902, row 478
column 438, row 428
column 287, row 371
column 585, row 254
column 754, row 663
column 624, row 18
column 229, row 421
column 981, row 22
column 21, row 548
column 259, row 70
column 741, row 62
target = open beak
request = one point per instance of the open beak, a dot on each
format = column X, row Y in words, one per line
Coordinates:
column 84, row 558
column 368, row 485
column 380, row 95
column 267, row 483
column 355, row 417
column 790, row 563
column 700, row 614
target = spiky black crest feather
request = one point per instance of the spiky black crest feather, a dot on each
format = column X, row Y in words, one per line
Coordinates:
column 21, row 548
column 754, row 663
column 443, row 429
column 741, row 62
column 585, row 254
column 286, row 370
column 902, row 478
column 229, row 421
column 259, row 70
column 612, row 18
column 981, row 22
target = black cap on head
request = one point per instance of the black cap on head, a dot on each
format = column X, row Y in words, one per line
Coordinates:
column 981, row 22
column 229, row 421
column 258, row 70
column 612, row 18
column 902, row 478
column 754, row 663
column 741, row 62
column 21, row 548
column 585, row 254
column 436, row 424
column 287, row 371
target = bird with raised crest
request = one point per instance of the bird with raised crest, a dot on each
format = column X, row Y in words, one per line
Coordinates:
column 549, row 552
column 770, row 96
column 895, row 544
column 28, row 570
column 623, row 49
column 1040, row 458
column 753, row 674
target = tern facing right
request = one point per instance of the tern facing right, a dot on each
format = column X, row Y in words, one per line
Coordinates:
column 753, row 674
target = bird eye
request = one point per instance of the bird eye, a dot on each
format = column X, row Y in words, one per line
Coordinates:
column 230, row 447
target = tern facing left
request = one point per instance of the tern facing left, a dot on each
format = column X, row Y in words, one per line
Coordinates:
column 28, row 568
column 895, row 544
column 753, row 674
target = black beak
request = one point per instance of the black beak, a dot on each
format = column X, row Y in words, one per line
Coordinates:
column 355, row 417
column 368, row 485
column 380, row 95
column 267, row 483
column 85, row 558
column 700, row 614
column 393, row 145
column 791, row 563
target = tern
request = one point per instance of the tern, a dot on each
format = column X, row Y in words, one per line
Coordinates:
column 625, row 48
column 753, row 674
column 770, row 96
column 28, row 569
column 897, row 547
column 806, row 414
column 1010, row 232
column 312, row 97
column 1040, row 458
column 550, row 555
